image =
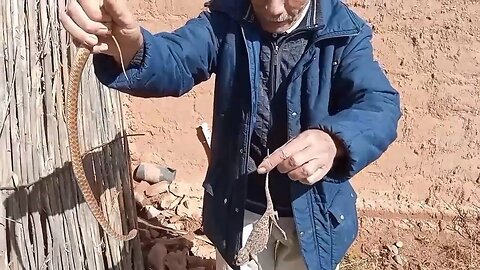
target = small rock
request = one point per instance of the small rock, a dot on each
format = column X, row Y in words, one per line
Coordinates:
column 139, row 198
column 157, row 188
column 176, row 260
column 156, row 256
column 139, row 192
column 398, row 259
column 405, row 225
column 167, row 200
column 152, row 211
column 142, row 186
column 184, row 210
column 197, row 263
column 442, row 225
column 154, row 233
column 394, row 250
column 178, row 190
column 174, row 219
column 168, row 213
column 399, row 244
column 145, row 236
column 173, row 226
column 175, row 243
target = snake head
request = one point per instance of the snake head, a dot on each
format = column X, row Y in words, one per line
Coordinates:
column 242, row 257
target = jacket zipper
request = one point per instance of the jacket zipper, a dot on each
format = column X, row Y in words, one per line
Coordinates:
column 273, row 69
column 273, row 84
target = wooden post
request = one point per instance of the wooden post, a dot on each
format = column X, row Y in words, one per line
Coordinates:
column 44, row 221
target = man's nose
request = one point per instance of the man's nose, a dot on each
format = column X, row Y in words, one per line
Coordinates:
column 275, row 7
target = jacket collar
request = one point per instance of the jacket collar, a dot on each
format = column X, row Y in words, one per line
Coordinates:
column 326, row 16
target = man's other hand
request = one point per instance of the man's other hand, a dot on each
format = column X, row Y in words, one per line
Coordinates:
column 306, row 158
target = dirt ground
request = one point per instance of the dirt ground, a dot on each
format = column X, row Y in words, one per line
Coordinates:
column 431, row 52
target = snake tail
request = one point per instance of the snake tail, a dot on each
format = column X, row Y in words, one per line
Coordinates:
column 78, row 65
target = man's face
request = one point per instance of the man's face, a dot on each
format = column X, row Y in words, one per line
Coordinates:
column 277, row 16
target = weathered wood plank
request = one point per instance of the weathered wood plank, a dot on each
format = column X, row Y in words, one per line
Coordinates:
column 70, row 252
column 75, row 252
column 49, row 253
column 20, row 87
column 23, row 91
column 64, row 61
column 14, row 228
column 104, row 178
column 45, row 159
column 37, row 230
column 34, row 73
column 52, row 134
column 99, row 165
column 3, row 232
column 55, row 217
column 49, row 225
column 87, row 128
column 5, row 163
column 38, row 132
column 12, row 72
column 57, row 221
column 5, row 96
column 18, row 251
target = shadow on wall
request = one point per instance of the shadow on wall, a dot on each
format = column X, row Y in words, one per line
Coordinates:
column 44, row 227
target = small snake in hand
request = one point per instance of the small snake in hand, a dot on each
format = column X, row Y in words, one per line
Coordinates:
column 78, row 65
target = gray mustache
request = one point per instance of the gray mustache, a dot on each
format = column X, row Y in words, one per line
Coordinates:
column 281, row 18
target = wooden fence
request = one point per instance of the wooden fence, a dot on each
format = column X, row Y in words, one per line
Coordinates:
column 44, row 221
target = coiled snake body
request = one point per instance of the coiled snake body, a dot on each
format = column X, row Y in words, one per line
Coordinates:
column 78, row 65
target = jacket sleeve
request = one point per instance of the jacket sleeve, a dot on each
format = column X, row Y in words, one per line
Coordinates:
column 367, row 109
column 169, row 64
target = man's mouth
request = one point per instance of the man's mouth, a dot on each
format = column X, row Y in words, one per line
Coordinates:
column 277, row 21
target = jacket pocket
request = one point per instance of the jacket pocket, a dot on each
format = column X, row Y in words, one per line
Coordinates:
column 343, row 222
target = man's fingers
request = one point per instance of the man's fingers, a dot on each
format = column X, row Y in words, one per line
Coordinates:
column 297, row 159
column 80, row 17
column 77, row 33
column 120, row 13
column 100, row 48
column 279, row 155
column 93, row 9
column 316, row 176
column 283, row 152
column 306, row 170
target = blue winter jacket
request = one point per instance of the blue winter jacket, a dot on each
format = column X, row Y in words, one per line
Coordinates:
column 336, row 86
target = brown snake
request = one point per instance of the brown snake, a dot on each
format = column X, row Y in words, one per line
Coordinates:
column 78, row 65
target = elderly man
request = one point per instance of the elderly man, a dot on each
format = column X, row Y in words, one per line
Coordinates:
column 296, row 77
